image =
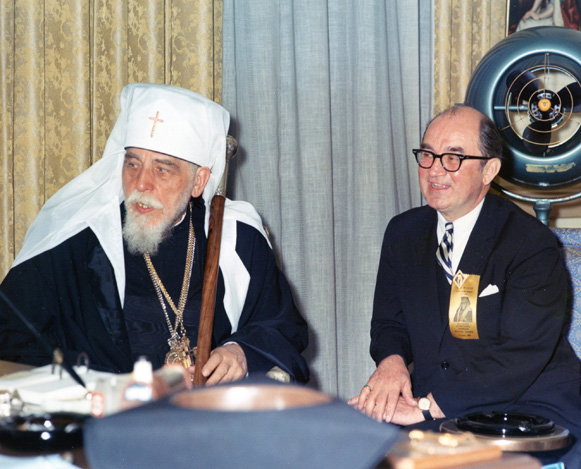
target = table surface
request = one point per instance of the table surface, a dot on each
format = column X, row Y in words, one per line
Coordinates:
column 77, row 457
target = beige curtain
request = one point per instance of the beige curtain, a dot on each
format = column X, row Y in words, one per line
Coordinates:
column 464, row 31
column 63, row 64
column 329, row 97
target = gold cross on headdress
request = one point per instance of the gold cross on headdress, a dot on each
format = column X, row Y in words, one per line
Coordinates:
column 155, row 120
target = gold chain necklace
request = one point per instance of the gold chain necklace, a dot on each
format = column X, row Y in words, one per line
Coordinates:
column 179, row 344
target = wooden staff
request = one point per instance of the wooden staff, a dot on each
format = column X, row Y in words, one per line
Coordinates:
column 211, row 269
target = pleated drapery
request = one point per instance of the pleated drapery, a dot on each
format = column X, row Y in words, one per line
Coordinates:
column 329, row 99
column 63, row 64
column 464, row 31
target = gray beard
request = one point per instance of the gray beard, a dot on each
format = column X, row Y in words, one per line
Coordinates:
column 138, row 233
column 141, row 238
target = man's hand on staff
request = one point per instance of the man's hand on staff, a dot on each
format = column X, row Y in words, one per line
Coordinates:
column 226, row 363
column 379, row 397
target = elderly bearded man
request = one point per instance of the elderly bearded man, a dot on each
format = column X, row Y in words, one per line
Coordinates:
column 113, row 265
column 511, row 354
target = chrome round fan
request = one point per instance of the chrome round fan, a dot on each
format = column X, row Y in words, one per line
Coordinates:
column 529, row 84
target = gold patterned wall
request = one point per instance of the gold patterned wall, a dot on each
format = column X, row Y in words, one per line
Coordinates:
column 464, row 30
column 63, row 64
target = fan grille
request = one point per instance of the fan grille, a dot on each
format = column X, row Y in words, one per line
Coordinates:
column 546, row 106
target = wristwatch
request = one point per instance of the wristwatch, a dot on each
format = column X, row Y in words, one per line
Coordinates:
column 424, row 405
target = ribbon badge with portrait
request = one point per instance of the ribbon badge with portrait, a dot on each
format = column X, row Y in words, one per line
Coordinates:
column 463, row 302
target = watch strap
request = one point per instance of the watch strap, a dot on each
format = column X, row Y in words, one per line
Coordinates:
column 427, row 415
column 424, row 404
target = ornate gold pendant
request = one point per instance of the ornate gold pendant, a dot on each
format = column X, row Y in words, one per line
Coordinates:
column 180, row 352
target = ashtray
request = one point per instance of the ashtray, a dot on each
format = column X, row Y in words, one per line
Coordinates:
column 505, row 424
column 43, row 432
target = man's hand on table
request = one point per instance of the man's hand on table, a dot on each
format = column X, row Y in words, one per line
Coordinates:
column 406, row 414
column 387, row 396
column 380, row 396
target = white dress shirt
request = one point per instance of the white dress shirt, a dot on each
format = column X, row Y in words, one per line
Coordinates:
column 462, row 229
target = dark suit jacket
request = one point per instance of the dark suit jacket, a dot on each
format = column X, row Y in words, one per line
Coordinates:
column 522, row 360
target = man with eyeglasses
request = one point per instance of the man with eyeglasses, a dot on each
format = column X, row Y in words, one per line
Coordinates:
column 468, row 247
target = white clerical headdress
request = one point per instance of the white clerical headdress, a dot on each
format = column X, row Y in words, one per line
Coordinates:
column 160, row 118
column 179, row 123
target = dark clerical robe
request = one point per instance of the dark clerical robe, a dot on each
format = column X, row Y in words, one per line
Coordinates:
column 69, row 293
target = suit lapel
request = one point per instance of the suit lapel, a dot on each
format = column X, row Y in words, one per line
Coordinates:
column 425, row 271
column 482, row 239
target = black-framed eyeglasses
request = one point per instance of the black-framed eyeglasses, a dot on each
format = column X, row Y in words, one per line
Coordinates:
column 451, row 162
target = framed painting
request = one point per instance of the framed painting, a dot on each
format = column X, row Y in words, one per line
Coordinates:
column 522, row 14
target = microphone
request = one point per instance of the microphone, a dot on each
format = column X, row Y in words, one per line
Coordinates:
column 57, row 355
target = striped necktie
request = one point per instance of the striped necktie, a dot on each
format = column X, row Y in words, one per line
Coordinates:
column 444, row 252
